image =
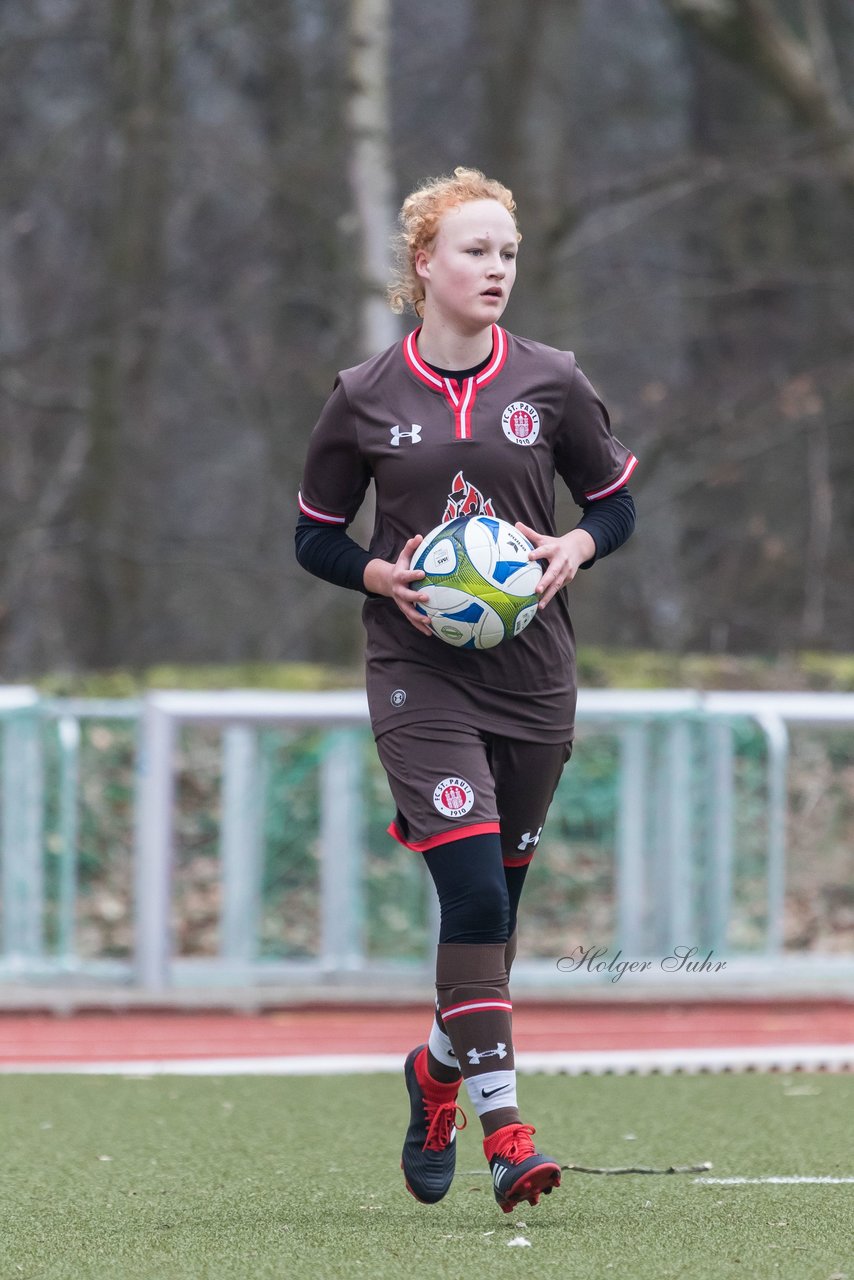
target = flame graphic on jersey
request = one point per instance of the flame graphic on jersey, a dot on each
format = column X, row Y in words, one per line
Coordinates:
column 465, row 500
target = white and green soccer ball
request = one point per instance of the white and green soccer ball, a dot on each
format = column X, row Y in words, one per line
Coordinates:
column 479, row 579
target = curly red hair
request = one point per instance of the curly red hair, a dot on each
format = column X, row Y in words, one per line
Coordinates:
column 419, row 220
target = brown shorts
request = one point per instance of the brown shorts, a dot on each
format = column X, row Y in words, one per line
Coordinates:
column 449, row 781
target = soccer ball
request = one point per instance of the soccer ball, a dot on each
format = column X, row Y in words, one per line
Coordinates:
column 479, row 579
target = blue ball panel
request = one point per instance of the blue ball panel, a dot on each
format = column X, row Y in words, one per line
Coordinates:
column 506, row 568
column 471, row 613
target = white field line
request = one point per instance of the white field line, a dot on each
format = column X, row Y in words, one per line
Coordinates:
column 795, row 1179
column 833, row 1057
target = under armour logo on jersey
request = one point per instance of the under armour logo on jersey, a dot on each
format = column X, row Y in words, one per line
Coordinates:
column 397, row 435
column 475, row 1055
column 528, row 839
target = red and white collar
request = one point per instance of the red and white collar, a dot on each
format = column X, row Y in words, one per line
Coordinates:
column 461, row 398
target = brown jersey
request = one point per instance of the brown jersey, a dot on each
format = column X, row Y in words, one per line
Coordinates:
column 436, row 449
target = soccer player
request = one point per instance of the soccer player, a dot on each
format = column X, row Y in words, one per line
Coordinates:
column 462, row 418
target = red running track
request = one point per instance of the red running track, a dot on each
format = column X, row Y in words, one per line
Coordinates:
column 134, row 1036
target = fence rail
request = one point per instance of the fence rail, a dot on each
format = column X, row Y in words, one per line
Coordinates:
column 675, row 834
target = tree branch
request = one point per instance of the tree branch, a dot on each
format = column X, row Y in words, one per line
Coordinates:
column 754, row 33
column 16, row 387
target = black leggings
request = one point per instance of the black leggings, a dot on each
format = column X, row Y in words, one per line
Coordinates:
column 478, row 895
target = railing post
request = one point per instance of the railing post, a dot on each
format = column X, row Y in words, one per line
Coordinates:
column 341, row 853
column 721, row 829
column 777, row 737
column 631, row 838
column 69, row 781
column 154, row 855
column 677, row 918
column 241, row 843
column 23, row 839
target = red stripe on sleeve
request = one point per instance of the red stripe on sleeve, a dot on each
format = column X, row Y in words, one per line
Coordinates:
column 622, row 478
column 325, row 516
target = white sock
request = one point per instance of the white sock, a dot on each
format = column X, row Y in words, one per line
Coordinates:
column 440, row 1047
column 491, row 1090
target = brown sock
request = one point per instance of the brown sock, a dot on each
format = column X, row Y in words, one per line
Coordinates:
column 439, row 1067
column 471, row 986
column 510, row 948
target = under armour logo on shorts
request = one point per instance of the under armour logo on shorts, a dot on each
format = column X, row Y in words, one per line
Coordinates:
column 527, row 839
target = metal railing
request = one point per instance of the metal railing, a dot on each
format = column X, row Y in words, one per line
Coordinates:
column 673, row 881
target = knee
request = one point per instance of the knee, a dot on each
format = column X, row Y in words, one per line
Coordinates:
column 472, row 888
column 483, row 916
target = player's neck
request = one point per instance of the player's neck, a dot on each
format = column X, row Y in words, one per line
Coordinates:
column 446, row 348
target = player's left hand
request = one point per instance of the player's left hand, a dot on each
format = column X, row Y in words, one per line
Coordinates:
column 563, row 555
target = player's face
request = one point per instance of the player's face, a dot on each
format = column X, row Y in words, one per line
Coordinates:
column 470, row 269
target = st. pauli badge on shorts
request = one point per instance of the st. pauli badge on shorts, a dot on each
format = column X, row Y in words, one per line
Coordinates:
column 453, row 797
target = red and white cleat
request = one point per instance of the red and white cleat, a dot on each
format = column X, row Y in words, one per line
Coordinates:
column 519, row 1171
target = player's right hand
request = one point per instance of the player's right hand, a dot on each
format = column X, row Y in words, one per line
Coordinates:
column 397, row 581
column 404, row 591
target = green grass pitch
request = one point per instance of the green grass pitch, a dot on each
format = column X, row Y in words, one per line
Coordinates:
column 245, row 1178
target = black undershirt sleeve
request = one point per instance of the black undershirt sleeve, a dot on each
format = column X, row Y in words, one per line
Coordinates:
column 609, row 521
column 328, row 552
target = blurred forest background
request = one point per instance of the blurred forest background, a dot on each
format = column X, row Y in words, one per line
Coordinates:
column 195, row 202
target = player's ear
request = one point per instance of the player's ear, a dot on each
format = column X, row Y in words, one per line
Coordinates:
column 422, row 264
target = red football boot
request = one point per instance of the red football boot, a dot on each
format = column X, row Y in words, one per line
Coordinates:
column 430, row 1149
column 519, row 1171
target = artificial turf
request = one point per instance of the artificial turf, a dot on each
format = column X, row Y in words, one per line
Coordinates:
column 172, row 1178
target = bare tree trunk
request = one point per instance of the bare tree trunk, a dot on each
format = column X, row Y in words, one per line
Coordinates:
column 121, row 392
column 507, row 47
column 372, row 184
column 371, row 174
column 820, row 498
